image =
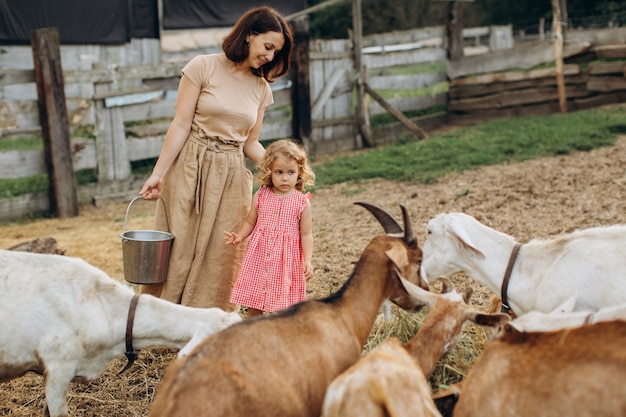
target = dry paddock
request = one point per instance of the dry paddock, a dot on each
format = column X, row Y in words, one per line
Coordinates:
column 534, row 199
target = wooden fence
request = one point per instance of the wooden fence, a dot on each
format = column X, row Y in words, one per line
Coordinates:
column 504, row 83
column 115, row 91
column 125, row 97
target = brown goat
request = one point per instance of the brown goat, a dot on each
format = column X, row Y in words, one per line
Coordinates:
column 281, row 364
column 571, row 372
column 393, row 379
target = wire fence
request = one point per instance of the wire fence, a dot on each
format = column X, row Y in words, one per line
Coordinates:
column 578, row 18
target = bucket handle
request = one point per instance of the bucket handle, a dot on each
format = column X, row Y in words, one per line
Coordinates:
column 167, row 220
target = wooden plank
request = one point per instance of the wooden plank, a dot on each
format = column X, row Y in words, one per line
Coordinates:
column 134, row 98
column 514, row 98
column 412, row 127
column 610, row 51
column 597, row 101
column 606, row 84
column 276, row 130
column 411, row 57
column 145, row 148
column 112, row 152
column 152, row 129
column 472, row 90
column 326, row 92
column 10, row 76
column 604, row 68
column 468, row 119
column 19, row 164
column 598, row 37
column 23, row 206
column 100, row 74
column 523, row 56
column 54, row 122
column 406, row 82
column 404, row 36
column 282, row 98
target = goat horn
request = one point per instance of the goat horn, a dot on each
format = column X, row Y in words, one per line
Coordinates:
column 409, row 236
column 446, row 284
column 388, row 223
column 467, row 294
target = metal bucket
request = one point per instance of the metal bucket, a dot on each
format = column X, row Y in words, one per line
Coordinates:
column 146, row 253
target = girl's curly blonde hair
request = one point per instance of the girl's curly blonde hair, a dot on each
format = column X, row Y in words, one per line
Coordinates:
column 290, row 150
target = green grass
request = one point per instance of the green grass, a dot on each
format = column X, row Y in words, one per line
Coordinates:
column 496, row 142
column 423, row 68
column 425, row 161
column 21, row 144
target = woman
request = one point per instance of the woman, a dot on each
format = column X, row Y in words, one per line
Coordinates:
column 201, row 173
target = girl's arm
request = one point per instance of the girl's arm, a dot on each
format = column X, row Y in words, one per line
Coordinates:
column 253, row 148
column 174, row 139
column 246, row 228
column 306, row 239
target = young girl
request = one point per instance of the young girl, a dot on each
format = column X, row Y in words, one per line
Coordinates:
column 277, row 260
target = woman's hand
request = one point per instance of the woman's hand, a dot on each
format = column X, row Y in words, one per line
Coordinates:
column 151, row 189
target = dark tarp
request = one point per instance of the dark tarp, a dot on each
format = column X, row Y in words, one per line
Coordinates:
column 79, row 21
column 117, row 21
column 195, row 14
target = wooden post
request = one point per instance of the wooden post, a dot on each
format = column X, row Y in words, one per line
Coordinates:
column 301, row 88
column 558, row 54
column 362, row 118
column 54, row 121
column 564, row 18
column 454, row 30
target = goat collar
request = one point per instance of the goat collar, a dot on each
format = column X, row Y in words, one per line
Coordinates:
column 131, row 354
column 507, row 277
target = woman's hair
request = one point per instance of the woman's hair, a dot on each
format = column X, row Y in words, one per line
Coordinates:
column 256, row 21
column 290, row 150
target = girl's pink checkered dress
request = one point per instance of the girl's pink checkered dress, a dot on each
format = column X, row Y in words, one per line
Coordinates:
column 271, row 276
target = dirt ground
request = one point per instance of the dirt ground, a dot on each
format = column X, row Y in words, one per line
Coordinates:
column 534, row 199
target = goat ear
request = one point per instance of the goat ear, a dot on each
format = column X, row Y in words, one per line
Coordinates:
column 491, row 320
column 397, row 254
column 567, row 306
column 464, row 242
column 419, row 294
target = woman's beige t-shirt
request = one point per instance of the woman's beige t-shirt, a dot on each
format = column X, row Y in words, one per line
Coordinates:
column 227, row 106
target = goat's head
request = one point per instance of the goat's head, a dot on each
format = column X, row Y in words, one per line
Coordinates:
column 401, row 248
column 448, row 245
column 453, row 308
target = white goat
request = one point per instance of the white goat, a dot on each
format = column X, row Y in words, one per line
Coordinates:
column 66, row 320
column 576, row 372
column 281, row 364
column 589, row 262
column 392, row 380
